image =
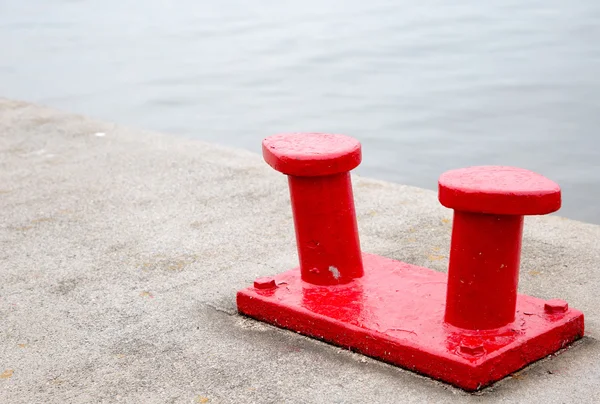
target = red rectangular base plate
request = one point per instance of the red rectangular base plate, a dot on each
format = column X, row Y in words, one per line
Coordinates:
column 395, row 313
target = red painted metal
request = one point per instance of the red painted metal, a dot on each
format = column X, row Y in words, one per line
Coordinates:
column 485, row 252
column 395, row 313
column 322, row 203
column 469, row 329
column 499, row 190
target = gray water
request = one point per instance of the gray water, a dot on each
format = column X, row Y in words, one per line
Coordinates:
column 426, row 86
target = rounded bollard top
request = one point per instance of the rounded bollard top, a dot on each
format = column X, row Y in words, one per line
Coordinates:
column 498, row 190
column 311, row 154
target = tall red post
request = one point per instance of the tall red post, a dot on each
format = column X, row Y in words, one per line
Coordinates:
column 489, row 204
column 318, row 167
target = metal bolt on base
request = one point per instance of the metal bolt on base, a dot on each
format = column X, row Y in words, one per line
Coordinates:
column 555, row 306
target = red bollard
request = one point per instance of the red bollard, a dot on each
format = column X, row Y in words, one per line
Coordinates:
column 469, row 328
column 318, row 167
column 489, row 204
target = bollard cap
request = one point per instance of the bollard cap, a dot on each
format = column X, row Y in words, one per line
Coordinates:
column 311, row 154
column 498, row 190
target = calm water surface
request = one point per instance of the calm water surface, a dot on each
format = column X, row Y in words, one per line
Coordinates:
column 426, row 86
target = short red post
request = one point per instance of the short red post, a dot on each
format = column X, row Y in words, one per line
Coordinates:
column 489, row 203
column 318, row 167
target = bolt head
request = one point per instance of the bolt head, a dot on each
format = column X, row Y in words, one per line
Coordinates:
column 265, row 283
column 471, row 349
column 556, row 306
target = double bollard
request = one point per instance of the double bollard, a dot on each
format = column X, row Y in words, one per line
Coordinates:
column 469, row 328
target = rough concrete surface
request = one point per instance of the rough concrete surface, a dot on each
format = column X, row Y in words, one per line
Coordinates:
column 121, row 252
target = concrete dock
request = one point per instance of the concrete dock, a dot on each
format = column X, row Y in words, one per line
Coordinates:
column 121, row 252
